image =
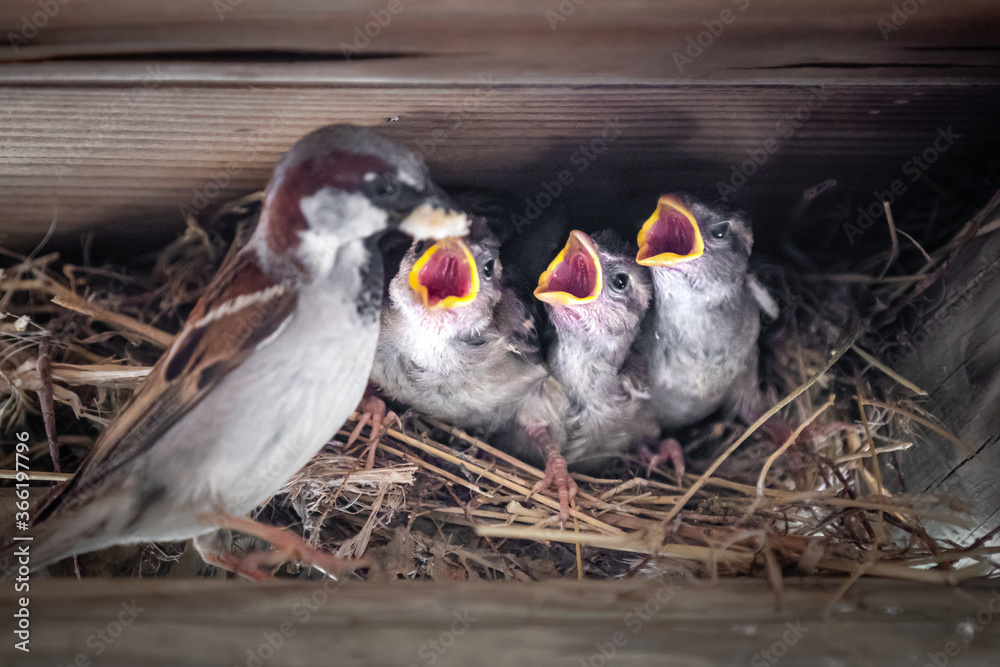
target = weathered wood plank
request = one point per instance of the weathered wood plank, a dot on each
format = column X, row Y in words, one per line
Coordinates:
column 597, row 36
column 543, row 623
column 126, row 157
column 951, row 348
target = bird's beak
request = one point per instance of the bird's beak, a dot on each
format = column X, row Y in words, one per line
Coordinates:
column 670, row 236
column 574, row 276
column 435, row 218
column 445, row 276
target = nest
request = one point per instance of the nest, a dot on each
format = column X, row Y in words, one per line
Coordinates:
column 442, row 504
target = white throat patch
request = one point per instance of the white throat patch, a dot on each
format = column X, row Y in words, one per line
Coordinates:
column 335, row 218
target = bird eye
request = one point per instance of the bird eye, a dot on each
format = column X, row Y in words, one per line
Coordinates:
column 420, row 247
column 381, row 188
column 620, row 281
column 488, row 269
column 720, row 231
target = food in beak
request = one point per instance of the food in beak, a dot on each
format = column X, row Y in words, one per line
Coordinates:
column 670, row 236
column 445, row 276
column 431, row 221
column 574, row 276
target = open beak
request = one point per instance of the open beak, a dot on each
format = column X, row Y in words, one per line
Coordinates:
column 445, row 276
column 574, row 276
column 436, row 218
column 670, row 236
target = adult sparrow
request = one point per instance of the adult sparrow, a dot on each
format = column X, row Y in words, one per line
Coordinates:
column 269, row 364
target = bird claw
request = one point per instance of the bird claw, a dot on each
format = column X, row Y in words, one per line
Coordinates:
column 667, row 450
column 287, row 547
column 557, row 475
column 373, row 410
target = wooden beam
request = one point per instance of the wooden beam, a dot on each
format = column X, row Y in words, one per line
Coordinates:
column 198, row 622
column 106, row 150
column 597, row 37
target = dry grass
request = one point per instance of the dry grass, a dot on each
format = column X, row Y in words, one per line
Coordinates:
column 442, row 504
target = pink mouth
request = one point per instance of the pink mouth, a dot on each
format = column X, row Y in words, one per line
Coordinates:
column 576, row 275
column 673, row 233
column 446, row 274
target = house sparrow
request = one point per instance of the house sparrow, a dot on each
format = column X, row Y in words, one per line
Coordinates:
column 596, row 297
column 700, row 338
column 270, row 363
column 456, row 343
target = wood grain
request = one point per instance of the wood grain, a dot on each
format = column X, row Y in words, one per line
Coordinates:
column 951, row 347
column 197, row 623
column 108, row 153
column 115, row 114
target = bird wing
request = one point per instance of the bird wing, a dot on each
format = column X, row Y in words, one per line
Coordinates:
column 515, row 322
column 763, row 297
column 239, row 311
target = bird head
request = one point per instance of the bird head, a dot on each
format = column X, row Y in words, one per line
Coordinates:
column 704, row 245
column 453, row 284
column 344, row 183
column 594, row 288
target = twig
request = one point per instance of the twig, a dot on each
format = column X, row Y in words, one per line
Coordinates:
column 835, row 356
column 150, row 334
column 45, row 400
column 888, row 371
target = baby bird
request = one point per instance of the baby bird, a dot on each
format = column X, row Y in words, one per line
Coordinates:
column 457, row 344
column 700, row 338
column 596, row 297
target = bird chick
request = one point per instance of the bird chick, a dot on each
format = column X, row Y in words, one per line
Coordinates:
column 700, row 338
column 596, row 297
column 268, row 366
column 457, row 344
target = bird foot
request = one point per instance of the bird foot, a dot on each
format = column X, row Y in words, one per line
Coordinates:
column 557, row 475
column 373, row 410
column 287, row 547
column 225, row 560
column 667, row 450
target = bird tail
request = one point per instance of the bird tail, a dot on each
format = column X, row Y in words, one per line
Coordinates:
column 57, row 535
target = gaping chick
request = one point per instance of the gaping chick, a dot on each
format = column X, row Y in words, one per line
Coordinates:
column 458, row 344
column 596, row 297
column 700, row 338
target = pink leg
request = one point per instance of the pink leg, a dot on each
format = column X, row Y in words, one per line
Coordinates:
column 215, row 555
column 667, row 450
column 556, row 471
column 557, row 475
column 373, row 410
column 287, row 546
